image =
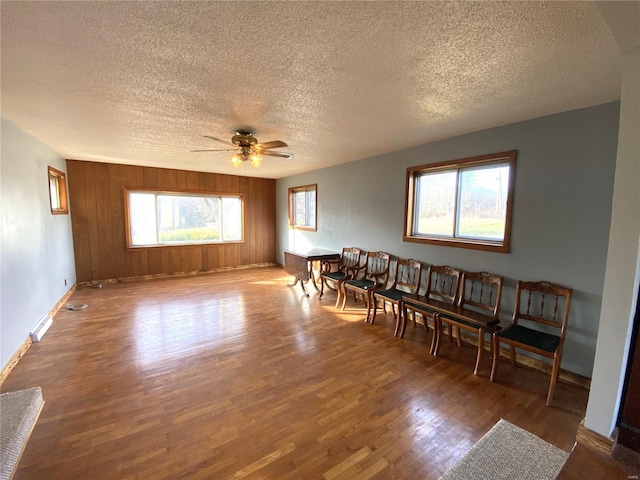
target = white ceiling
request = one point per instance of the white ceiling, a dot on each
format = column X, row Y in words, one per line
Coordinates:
column 142, row 82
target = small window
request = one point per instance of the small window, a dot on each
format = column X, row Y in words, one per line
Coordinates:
column 182, row 218
column 303, row 207
column 462, row 203
column 58, row 192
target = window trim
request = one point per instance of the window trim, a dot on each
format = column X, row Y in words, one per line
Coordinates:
column 61, row 179
column 477, row 161
column 177, row 191
column 303, row 188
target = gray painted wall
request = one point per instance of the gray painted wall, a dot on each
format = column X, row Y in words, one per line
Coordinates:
column 562, row 210
column 36, row 252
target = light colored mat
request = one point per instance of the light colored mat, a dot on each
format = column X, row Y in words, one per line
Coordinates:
column 18, row 414
column 507, row 452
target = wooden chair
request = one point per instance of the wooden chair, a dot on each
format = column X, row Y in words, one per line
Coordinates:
column 367, row 278
column 406, row 280
column 442, row 285
column 334, row 272
column 540, row 304
column 480, row 292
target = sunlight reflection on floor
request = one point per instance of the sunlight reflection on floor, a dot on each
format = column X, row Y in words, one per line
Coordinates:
column 166, row 330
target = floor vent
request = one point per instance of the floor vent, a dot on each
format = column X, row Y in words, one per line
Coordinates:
column 41, row 328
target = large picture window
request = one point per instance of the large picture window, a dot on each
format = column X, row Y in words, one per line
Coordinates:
column 303, row 207
column 462, row 203
column 181, row 218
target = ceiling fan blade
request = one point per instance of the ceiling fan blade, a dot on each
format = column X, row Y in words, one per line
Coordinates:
column 216, row 150
column 277, row 154
column 218, row 140
column 273, row 144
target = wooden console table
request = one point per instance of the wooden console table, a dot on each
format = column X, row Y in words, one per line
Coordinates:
column 300, row 265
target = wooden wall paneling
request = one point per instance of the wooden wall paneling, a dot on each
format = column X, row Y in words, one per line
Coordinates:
column 118, row 242
column 260, row 235
column 230, row 184
column 248, row 248
column 270, row 201
column 192, row 180
column 213, row 258
column 171, row 178
column 92, row 213
column 79, row 219
column 105, row 221
column 100, row 230
column 165, row 255
column 137, row 263
column 184, row 259
column 195, row 259
column 154, row 259
column 162, row 178
column 174, row 260
column 210, row 184
column 150, row 177
column 181, row 179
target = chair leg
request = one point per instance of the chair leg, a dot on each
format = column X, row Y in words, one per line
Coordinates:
column 555, row 370
column 375, row 309
column 459, row 337
column 450, row 332
column 398, row 320
column 435, row 340
column 480, row 349
column 513, row 355
column 403, row 321
column 345, row 295
column 496, row 353
column 338, row 293
column 368, row 296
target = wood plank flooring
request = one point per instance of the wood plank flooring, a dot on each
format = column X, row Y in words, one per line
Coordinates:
column 235, row 375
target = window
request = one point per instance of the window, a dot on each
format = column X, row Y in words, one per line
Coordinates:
column 181, row 218
column 303, row 207
column 462, row 203
column 58, row 192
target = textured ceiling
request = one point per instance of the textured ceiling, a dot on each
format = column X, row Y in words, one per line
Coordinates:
column 142, row 82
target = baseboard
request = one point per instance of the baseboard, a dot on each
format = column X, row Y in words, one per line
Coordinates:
column 138, row 278
column 13, row 361
column 62, row 301
column 594, row 440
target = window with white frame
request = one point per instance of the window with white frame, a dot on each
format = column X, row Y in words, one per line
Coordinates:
column 462, row 203
column 163, row 218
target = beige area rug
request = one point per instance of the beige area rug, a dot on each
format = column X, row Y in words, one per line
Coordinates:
column 18, row 414
column 507, row 452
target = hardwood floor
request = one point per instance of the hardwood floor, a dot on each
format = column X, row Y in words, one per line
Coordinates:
column 236, row 375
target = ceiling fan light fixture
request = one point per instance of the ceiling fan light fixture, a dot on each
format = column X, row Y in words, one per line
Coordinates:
column 256, row 159
column 236, row 160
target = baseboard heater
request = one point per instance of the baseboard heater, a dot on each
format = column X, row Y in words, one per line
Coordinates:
column 41, row 328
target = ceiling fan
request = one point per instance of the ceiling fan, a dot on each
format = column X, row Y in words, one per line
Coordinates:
column 246, row 148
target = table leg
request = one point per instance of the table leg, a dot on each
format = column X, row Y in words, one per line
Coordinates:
column 312, row 276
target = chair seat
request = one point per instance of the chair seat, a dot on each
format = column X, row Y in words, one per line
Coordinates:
column 361, row 284
column 459, row 321
column 334, row 275
column 392, row 294
column 528, row 336
column 415, row 306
